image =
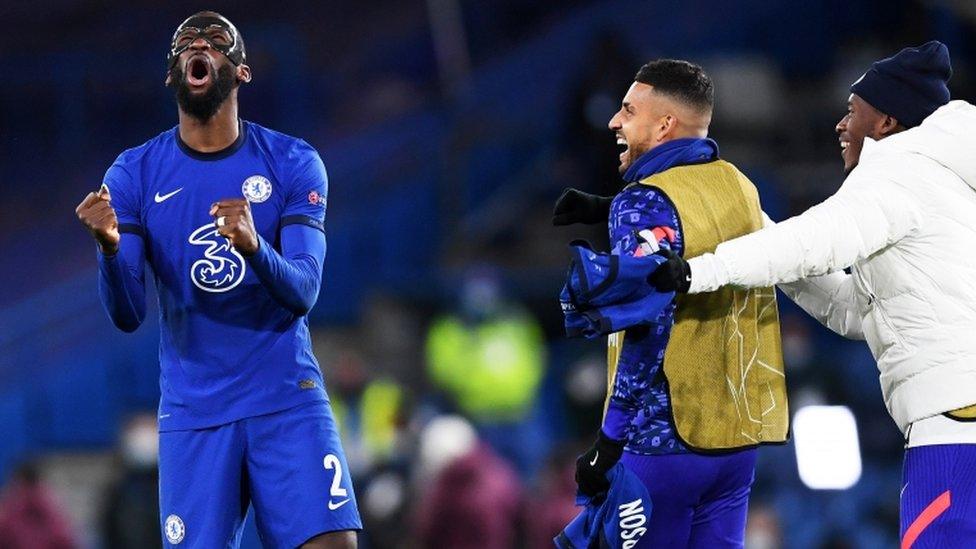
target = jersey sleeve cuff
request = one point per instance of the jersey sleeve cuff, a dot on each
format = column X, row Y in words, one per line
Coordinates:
column 615, row 423
column 708, row 273
column 132, row 228
column 303, row 220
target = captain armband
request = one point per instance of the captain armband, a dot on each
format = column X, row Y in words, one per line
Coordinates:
column 648, row 240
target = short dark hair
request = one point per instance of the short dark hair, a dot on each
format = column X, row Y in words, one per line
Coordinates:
column 684, row 81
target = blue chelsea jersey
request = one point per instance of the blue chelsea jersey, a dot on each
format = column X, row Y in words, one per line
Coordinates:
column 228, row 350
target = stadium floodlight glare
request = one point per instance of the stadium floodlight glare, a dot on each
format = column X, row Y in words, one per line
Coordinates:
column 828, row 455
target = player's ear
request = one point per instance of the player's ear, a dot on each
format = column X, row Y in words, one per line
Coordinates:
column 243, row 73
column 665, row 126
column 888, row 126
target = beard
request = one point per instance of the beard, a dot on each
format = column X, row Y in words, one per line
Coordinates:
column 203, row 107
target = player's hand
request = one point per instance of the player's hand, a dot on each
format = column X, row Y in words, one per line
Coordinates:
column 674, row 275
column 592, row 467
column 575, row 206
column 97, row 215
column 232, row 216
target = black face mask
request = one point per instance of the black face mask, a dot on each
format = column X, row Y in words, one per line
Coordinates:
column 203, row 107
column 220, row 33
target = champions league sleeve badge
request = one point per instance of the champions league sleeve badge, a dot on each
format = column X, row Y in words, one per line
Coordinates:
column 256, row 189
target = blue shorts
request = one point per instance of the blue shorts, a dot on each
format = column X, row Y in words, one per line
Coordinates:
column 938, row 499
column 288, row 464
column 700, row 501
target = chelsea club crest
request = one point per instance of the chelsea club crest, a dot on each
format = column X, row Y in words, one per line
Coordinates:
column 175, row 530
column 256, row 188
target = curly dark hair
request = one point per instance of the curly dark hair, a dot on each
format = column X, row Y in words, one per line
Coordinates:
column 681, row 80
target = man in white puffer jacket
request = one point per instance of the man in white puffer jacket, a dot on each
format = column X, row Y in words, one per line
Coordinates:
column 904, row 223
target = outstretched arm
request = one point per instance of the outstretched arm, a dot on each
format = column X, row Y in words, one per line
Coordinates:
column 828, row 298
column 868, row 213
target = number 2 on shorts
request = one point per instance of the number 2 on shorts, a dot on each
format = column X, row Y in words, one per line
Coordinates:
column 332, row 462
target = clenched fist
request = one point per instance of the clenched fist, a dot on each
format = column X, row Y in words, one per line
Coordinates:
column 233, row 219
column 97, row 215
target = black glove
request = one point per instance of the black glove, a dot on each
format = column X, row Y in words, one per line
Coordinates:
column 592, row 467
column 578, row 207
column 674, row 275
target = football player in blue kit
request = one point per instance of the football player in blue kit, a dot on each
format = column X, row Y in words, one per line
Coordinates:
column 229, row 215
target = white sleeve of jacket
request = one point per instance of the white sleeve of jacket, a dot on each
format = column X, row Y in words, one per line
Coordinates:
column 870, row 212
column 828, row 298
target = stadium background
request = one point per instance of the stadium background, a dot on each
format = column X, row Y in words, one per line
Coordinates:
column 448, row 129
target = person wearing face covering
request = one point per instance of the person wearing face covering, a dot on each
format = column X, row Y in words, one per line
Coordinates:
column 897, row 242
column 130, row 516
column 229, row 216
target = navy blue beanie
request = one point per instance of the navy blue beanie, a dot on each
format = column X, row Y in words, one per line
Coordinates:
column 910, row 85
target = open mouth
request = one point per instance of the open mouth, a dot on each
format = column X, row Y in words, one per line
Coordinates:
column 622, row 142
column 198, row 71
column 843, row 147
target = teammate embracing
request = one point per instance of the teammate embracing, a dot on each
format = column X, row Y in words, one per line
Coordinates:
column 230, row 216
column 904, row 223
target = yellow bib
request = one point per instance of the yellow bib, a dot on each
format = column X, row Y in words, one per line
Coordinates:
column 724, row 360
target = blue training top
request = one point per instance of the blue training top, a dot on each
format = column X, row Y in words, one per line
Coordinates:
column 640, row 405
column 234, row 339
column 639, row 408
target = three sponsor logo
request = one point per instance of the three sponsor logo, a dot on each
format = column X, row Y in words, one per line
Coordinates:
column 222, row 267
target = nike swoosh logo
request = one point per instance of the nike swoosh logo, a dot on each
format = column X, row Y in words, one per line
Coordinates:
column 161, row 197
column 595, row 457
column 333, row 506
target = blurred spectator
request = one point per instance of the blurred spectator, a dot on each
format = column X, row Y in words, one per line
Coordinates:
column 473, row 498
column 552, row 505
column 489, row 358
column 384, row 503
column 369, row 411
column 30, row 516
column 585, row 385
column 372, row 411
column 762, row 528
column 131, row 514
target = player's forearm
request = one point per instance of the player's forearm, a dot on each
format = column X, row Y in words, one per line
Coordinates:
column 866, row 215
column 294, row 279
column 828, row 298
column 121, row 284
column 771, row 256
